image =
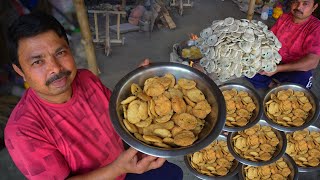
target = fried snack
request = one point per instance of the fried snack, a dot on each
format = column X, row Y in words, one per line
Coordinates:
column 201, row 109
column 162, row 105
column 162, row 145
column 152, row 138
column 164, row 118
column 128, row 100
column 304, row 147
column 240, row 107
column 288, row 108
column 144, row 123
column 172, row 78
column 139, row 136
column 257, row 143
column 175, row 130
column 165, row 114
column 149, row 130
column 195, row 53
column 131, row 127
column 185, row 121
column 192, row 53
column 135, row 89
column 175, row 92
column 133, row 112
column 178, row 104
column 186, row 53
column 195, row 95
column 213, row 160
column 189, row 102
column 143, row 96
column 186, row 83
column 153, row 87
column 278, row 170
column 184, row 138
column 163, row 133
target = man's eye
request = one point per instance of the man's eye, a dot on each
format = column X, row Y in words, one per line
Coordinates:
column 37, row 62
column 61, row 53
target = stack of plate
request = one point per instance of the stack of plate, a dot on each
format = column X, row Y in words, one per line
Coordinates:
column 260, row 117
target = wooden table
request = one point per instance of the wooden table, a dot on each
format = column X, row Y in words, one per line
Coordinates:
column 107, row 40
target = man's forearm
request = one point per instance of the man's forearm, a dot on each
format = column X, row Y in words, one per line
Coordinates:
column 307, row 63
column 105, row 173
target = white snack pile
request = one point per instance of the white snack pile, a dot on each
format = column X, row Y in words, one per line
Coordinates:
column 238, row 47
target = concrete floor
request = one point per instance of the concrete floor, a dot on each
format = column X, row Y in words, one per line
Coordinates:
column 157, row 47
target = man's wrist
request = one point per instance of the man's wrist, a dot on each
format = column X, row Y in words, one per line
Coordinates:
column 117, row 169
column 280, row 68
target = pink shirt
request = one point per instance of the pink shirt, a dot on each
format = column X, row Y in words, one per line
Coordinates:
column 298, row 40
column 53, row 141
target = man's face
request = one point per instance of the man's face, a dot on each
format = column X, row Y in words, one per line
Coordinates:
column 47, row 64
column 302, row 9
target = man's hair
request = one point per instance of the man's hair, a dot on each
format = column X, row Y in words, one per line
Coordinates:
column 314, row 2
column 28, row 26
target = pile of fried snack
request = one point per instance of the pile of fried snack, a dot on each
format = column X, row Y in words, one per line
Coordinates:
column 166, row 113
column 240, row 107
column 191, row 52
column 214, row 160
column 257, row 143
column 288, row 108
column 304, row 147
column 278, row 170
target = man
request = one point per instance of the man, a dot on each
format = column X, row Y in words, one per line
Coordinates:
column 61, row 128
column 299, row 33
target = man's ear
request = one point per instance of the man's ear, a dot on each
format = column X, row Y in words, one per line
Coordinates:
column 315, row 6
column 19, row 71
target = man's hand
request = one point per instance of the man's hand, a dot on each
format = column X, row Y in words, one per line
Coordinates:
column 129, row 161
column 268, row 73
column 132, row 161
column 145, row 62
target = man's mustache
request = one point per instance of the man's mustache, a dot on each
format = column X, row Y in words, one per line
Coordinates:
column 60, row 75
column 296, row 10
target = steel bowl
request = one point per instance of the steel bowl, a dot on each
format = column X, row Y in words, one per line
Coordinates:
column 292, row 165
column 310, row 169
column 257, row 113
column 313, row 114
column 280, row 149
column 214, row 121
column 233, row 171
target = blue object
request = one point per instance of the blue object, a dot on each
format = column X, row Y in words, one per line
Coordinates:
column 167, row 171
column 299, row 77
column 30, row 4
column 270, row 11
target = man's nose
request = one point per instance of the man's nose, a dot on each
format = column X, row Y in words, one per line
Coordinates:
column 300, row 5
column 54, row 66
